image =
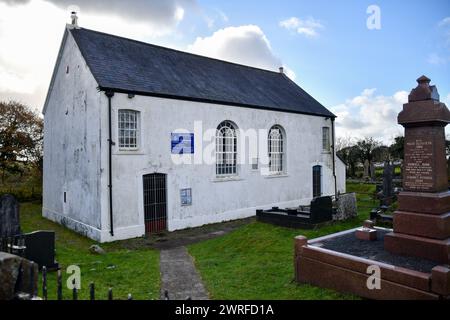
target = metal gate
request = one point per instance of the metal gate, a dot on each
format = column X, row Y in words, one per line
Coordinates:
column 155, row 204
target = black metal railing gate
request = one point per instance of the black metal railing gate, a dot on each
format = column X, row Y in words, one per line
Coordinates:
column 155, row 202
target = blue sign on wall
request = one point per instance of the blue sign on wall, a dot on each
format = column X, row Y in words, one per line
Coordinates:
column 182, row 143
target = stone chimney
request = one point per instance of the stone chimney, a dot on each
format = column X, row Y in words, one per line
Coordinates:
column 74, row 18
column 281, row 70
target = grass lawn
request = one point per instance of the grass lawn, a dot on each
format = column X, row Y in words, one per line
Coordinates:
column 256, row 261
column 125, row 268
column 252, row 262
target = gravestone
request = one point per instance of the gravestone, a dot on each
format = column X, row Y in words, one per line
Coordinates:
column 40, row 248
column 366, row 169
column 9, row 216
column 422, row 222
column 346, row 207
column 388, row 191
column 372, row 171
column 17, row 275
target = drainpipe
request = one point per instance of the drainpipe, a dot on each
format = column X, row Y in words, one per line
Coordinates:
column 334, row 157
column 110, row 94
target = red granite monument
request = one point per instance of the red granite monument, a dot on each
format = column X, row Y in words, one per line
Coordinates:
column 412, row 259
column 422, row 222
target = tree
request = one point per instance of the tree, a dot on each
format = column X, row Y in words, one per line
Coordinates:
column 397, row 149
column 367, row 149
column 381, row 154
column 21, row 136
column 350, row 156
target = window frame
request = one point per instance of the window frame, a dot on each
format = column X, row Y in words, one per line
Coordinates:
column 224, row 151
column 326, row 144
column 137, row 130
column 281, row 152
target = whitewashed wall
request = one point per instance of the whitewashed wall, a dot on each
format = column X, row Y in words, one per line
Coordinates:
column 76, row 159
column 73, row 146
column 214, row 200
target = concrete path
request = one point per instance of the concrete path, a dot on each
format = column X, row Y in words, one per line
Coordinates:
column 179, row 277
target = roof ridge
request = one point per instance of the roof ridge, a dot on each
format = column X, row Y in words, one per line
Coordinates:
column 176, row 50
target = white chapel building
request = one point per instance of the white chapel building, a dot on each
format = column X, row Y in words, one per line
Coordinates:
column 126, row 147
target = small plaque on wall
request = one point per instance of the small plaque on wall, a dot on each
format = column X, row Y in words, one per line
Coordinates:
column 186, row 197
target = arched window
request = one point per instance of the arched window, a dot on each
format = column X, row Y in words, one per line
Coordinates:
column 226, row 149
column 128, row 129
column 276, row 150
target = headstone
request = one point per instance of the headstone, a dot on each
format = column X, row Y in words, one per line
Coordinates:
column 388, row 192
column 345, row 207
column 422, row 222
column 40, row 248
column 366, row 169
column 16, row 275
column 9, row 216
column 372, row 171
column 321, row 209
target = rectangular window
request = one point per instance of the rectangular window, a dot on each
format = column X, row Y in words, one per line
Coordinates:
column 326, row 145
column 128, row 129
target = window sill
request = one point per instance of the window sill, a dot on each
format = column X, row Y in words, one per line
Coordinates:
column 280, row 175
column 128, row 152
column 225, row 179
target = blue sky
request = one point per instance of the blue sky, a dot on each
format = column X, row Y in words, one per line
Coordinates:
column 362, row 75
column 347, row 57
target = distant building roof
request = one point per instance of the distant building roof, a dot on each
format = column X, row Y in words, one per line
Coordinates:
column 130, row 66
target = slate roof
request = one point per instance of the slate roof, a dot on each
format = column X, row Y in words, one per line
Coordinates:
column 130, row 66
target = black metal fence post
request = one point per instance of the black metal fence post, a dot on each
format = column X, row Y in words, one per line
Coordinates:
column 74, row 290
column 110, row 294
column 59, row 284
column 44, row 283
column 92, row 291
column 31, row 285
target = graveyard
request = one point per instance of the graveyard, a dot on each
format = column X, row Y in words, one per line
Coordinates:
column 246, row 156
column 228, row 265
column 403, row 231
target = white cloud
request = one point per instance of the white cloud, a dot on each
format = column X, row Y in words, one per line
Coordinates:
column 436, row 59
column 444, row 22
column 370, row 115
column 158, row 14
column 216, row 17
column 244, row 44
column 308, row 27
column 446, row 100
column 31, row 31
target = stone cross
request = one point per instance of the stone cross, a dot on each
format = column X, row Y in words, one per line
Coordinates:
column 9, row 216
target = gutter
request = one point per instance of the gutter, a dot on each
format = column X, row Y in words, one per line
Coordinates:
column 334, row 158
column 110, row 94
column 219, row 102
